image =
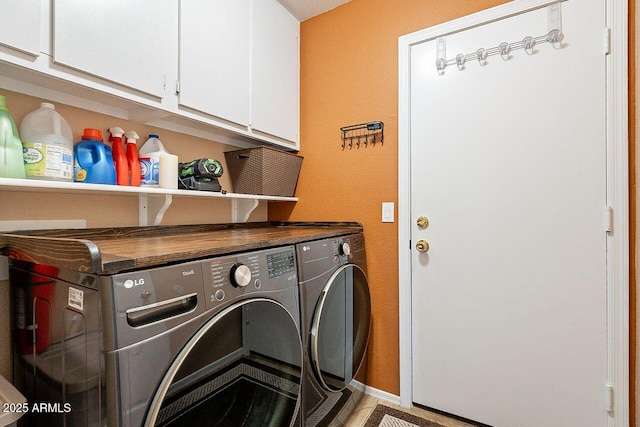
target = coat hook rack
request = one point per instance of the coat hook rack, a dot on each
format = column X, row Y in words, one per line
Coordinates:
column 362, row 135
column 554, row 36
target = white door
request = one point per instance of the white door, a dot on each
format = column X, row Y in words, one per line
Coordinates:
column 508, row 164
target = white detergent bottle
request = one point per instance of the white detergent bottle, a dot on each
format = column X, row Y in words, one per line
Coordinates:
column 149, row 155
column 47, row 143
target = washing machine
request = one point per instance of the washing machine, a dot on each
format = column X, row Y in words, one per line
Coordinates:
column 336, row 320
column 213, row 342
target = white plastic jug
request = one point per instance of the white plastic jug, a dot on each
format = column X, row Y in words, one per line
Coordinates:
column 47, row 143
column 149, row 155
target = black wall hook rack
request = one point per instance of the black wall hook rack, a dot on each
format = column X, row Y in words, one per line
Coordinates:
column 362, row 134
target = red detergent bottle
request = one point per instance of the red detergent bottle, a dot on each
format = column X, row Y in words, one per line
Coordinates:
column 132, row 158
column 119, row 156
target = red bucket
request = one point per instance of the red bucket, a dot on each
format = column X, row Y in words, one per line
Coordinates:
column 32, row 292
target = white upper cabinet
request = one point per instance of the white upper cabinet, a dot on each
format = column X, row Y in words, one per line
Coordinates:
column 20, row 27
column 240, row 61
column 275, row 70
column 214, row 58
column 126, row 42
column 224, row 70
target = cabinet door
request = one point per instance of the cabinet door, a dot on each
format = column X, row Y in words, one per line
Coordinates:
column 214, row 58
column 275, row 70
column 20, row 27
column 126, row 42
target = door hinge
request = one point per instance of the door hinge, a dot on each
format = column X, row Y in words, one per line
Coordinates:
column 606, row 40
column 609, row 397
column 177, row 87
column 607, row 219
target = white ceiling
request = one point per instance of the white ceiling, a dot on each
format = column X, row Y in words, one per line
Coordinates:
column 305, row 9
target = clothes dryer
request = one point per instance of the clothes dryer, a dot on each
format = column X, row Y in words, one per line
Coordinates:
column 336, row 320
column 211, row 342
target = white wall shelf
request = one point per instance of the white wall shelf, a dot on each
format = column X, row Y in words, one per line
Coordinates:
column 153, row 202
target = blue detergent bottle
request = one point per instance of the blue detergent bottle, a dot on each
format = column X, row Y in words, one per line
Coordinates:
column 93, row 159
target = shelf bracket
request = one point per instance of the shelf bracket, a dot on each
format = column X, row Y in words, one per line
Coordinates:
column 241, row 209
column 151, row 208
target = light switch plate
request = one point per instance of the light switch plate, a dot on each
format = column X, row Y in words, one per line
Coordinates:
column 388, row 211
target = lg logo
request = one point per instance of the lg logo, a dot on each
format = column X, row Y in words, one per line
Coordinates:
column 131, row 283
column 306, row 248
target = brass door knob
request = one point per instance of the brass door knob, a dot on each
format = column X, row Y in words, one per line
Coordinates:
column 423, row 222
column 422, row 245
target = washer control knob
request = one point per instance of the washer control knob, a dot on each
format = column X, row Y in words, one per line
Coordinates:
column 345, row 249
column 240, row 275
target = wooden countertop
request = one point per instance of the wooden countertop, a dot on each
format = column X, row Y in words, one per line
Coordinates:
column 109, row 250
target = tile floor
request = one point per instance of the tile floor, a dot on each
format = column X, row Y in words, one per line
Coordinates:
column 368, row 403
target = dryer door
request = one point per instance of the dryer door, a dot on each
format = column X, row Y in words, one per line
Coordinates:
column 340, row 329
column 220, row 378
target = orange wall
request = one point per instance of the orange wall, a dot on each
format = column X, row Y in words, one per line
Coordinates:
column 349, row 75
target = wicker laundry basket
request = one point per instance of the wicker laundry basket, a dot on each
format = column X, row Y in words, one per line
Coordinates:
column 264, row 171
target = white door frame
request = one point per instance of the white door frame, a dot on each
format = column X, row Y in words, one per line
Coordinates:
column 617, row 192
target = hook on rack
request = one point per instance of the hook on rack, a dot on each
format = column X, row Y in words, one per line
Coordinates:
column 528, row 43
column 504, row 48
column 441, row 64
column 553, row 37
column 482, row 55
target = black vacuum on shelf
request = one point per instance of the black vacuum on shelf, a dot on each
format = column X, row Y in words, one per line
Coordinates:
column 200, row 174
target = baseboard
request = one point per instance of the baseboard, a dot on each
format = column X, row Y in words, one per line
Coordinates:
column 378, row 394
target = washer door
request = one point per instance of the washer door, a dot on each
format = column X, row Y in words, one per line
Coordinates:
column 220, row 378
column 340, row 329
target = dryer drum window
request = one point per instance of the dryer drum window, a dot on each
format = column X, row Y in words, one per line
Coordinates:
column 341, row 327
column 238, row 369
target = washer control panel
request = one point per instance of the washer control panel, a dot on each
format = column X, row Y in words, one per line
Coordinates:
column 281, row 263
column 347, row 247
column 228, row 277
column 318, row 257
